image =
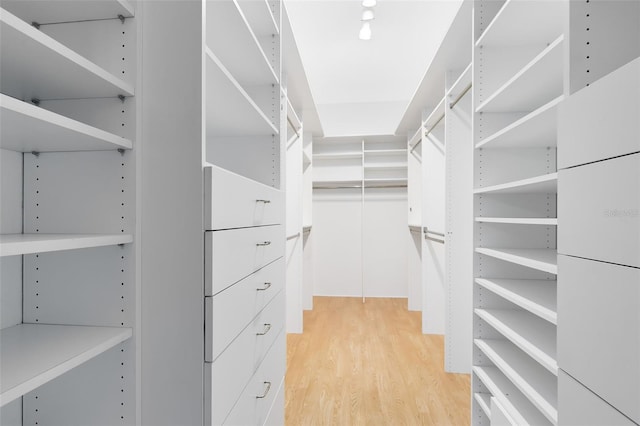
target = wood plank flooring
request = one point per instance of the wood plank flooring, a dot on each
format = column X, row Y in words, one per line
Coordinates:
column 369, row 364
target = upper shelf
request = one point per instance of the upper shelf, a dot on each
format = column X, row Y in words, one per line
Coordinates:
column 536, row 84
column 33, row 354
column 243, row 57
column 27, row 128
column 536, row 129
column 399, row 151
column 17, row 244
column 48, row 12
column 230, row 110
column 541, row 259
column 36, row 66
column 336, row 155
column 540, row 184
column 521, row 23
column 260, row 16
column 546, row 221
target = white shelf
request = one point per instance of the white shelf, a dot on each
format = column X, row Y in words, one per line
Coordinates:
column 484, row 401
column 522, row 23
column 400, row 151
column 259, row 16
column 27, row 128
column 548, row 221
column 536, row 296
column 231, row 39
column 518, row 406
column 327, row 184
column 36, row 66
column 33, row 354
column 534, row 130
column 230, row 110
column 337, row 156
column 48, row 12
column 541, row 259
column 534, row 85
column 18, row 244
column 386, row 166
column 296, row 123
column 537, row 384
column 540, row 184
column 535, row 337
column 385, row 181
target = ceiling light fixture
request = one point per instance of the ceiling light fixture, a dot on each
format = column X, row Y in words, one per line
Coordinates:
column 365, row 31
column 367, row 15
column 368, row 3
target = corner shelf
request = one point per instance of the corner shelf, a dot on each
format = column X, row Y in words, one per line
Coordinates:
column 510, row 397
column 541, row 259
column 33, row 354
column 48, row 12
column 535, row 383
column 547, row 183
column 230, row 110
column 536, row 129
column 27, row 128
column 535, row 296
column 547, row 221
column 535, row 84
column 244, row 58
column 18, row 244
column 533, row 336
column 53, row 71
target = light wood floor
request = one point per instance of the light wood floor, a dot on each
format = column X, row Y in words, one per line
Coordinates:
column 369, row 364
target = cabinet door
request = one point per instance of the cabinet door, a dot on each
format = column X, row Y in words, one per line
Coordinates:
column 599, row 211
column 599, row 329
column 578, row 406
column 601, row 121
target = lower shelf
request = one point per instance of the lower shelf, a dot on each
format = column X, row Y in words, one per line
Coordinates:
column 34, row 354
column 17, row 244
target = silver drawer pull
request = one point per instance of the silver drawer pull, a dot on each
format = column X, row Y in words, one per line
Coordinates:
column 266, row 329
column 265, row 243
column 266, row 390
column 264, row 201
column 264, row 287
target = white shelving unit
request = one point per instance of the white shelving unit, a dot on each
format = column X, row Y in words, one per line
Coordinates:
column 69, row 161
column 518, row 80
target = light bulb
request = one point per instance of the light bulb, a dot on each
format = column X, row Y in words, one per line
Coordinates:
column 365, row 31
column 367, row 15
column 368, row 3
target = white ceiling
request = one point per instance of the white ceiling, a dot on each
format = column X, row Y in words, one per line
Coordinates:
column 363, row 87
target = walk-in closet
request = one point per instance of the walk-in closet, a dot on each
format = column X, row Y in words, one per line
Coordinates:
column 319, row 212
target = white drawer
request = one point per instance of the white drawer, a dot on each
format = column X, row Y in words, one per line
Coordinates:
column 237, row 253
column 228, row 312
column 601, row 121
column 276, row 415
column 229, row 374
column 233, row 201
column 256, row 400
column 599, row 211
column 599, row 329
column 578, row 406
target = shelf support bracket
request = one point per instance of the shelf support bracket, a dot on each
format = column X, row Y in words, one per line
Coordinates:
column 36, row 153
column 35, row 101
column 121, row 151
column 35, row 25
column 122, row 98
column 121, row 18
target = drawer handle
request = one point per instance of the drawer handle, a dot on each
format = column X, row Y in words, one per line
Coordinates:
column 265, row 243
column 266, row 329
column 265, row 287
column 266, row 390
column 264, row 201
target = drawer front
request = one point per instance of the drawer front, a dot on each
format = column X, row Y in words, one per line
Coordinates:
column 599, row 211
column 601, row 121
column 578, row 406
column 229, row 374
column 233, row 201
column 237, row 253
column 276, row 415
column 228, row 312
column 599, row 329
column 256, row 400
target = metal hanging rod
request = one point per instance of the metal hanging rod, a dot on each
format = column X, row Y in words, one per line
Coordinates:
column 358, row 186
column 427, row 231
column 291, row 237
column 430, row 129
column 413, row 228
column 460, row 96
column 413, row 148
column 430, row 238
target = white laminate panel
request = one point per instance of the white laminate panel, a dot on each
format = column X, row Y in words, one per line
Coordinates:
column 599, row 329
column 499, row 416
column 228, row 312
column 599, row 211
column 578, row 406
column 231, row 255
column 601, row 120
column 250, row 408
column 226, row 378
column 234, row 201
